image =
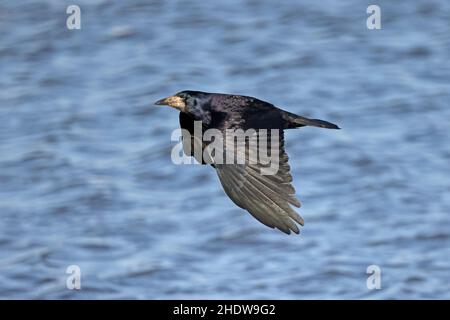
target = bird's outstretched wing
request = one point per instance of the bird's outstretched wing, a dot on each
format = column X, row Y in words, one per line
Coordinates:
column 267, row 197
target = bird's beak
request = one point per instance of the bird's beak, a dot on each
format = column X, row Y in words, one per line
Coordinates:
column 173, row 101
column 161, row 102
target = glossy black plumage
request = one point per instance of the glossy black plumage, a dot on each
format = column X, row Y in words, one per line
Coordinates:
column 267, row 197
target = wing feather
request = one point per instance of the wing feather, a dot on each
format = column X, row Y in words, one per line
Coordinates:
column 268, row 198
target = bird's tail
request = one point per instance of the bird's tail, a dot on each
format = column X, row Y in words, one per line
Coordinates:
column 299, row 121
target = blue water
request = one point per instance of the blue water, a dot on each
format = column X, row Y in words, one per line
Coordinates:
column 85, row 171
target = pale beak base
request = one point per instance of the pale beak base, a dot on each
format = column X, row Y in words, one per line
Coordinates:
column 173, row 101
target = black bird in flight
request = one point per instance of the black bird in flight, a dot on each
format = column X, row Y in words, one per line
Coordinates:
column 267, row 197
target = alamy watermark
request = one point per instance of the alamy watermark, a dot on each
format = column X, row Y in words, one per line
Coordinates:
column 74, row 20
column 373, row 22
column 73, row 281
column 231, row 146
column 373, row 281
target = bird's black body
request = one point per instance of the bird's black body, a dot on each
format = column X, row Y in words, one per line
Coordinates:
column 218, row 110
column 267, row 198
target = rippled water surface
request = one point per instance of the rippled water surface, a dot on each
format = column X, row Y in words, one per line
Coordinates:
column 86, row 177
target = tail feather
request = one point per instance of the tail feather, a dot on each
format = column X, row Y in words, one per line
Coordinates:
column 302, row 121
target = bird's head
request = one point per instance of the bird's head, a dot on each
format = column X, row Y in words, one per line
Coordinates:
column 193, row 102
